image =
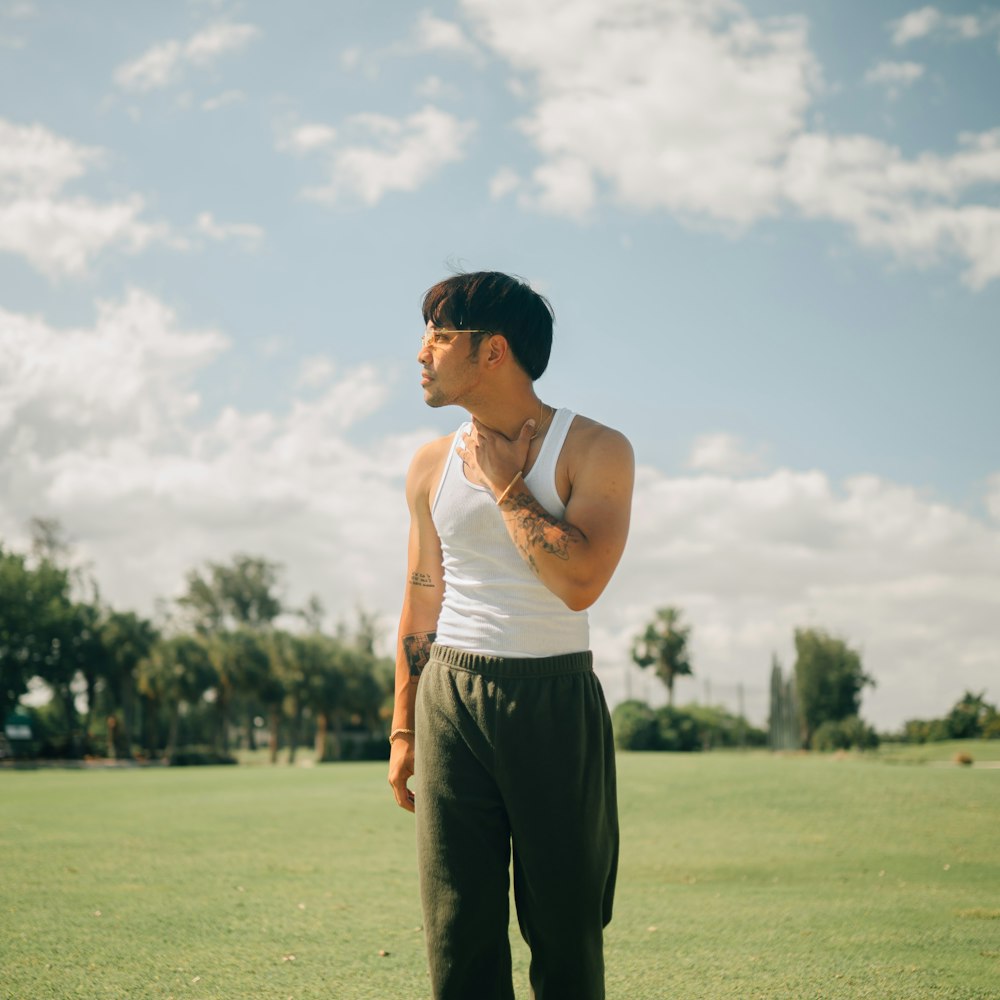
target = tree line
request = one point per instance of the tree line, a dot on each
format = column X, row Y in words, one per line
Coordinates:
column 816, row 705
column 213, row 672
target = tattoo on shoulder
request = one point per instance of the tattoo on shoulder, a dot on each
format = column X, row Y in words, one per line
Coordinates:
column 421, row 580
column 417, row 650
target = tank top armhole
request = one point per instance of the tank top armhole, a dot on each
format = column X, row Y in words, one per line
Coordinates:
column 446, row 468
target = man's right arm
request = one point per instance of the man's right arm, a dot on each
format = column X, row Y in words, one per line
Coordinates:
column 421, row 607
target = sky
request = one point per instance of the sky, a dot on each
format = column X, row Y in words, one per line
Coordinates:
column 770, row 232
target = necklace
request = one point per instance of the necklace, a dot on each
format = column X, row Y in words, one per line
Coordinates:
column 541, row 423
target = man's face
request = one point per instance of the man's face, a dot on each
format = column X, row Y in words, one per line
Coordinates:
column 448, row 369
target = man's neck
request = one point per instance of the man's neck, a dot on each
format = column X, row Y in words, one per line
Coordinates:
column 509, row 416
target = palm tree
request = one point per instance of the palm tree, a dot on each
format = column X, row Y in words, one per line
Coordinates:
column 664, row 646
column 322, row 661
column 177, row 672
column 127, row 639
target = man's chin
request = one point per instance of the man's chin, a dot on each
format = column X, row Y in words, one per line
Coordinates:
column 433, row 399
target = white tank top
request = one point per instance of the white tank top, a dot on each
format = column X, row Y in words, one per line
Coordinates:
column 493, row 603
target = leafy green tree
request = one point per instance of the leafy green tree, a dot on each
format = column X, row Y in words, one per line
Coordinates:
column 664, row 646
column 35, row 607
column 127, row 640
column 784, row 728
column 293, row 652
column 241, row 664
column 322, row 661
column 829, row 680
column 225, row 597
column 232, row 605
column 969, row 716
column 175, row 675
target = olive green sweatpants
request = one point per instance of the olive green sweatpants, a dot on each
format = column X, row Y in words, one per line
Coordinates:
column 514, row 752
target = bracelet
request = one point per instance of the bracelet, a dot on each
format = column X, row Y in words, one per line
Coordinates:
column 503, row 496
column 396, row 733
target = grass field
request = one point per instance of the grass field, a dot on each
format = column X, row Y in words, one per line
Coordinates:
column 742, row 876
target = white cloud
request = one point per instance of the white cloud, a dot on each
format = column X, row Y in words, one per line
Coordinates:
column 156, row 67
column 684, row 106
column 124, row 379
column 307, row 138
column 37, row 163
column 434, row 88
column 20, row 11
column 723, row 453
column 163, row 64
column 564, row 186
column 223, row 100
column 906, row 206
column 102, row 428
column 699, row 109
column 894, row 75
column 915, row 24
column 247, row 233
column 433, row 34
column 218, row 39
column 17, row 12
column 993, row 496
column 391, row 154
column 928, row 22
column 314, row 372
column 503, row 182
column 350, row 58
column 59, row 234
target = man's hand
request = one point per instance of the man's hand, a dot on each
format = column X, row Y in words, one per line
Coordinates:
column 492, row 459
column 401, row 770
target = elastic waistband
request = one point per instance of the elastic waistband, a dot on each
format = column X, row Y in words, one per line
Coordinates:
column 507, row 666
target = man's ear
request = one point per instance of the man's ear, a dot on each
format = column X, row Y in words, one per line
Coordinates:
column 498, row 350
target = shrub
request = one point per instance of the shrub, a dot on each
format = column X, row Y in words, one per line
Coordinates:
column 844, row 734
column 197, row 756
column 635, row 726
column 719, row 728
column 677, row 729
column 365, row 747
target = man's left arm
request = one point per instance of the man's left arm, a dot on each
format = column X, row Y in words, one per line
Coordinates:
column 576, row 555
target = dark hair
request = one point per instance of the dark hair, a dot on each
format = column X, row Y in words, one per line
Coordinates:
column 489, row 300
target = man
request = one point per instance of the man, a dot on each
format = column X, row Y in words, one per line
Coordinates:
column 517, row 522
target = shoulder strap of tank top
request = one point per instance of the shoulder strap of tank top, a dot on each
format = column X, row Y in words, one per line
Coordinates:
column 450, row 460
column 548, row 455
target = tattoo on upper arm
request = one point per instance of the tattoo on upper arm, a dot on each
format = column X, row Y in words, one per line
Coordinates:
column 421, row 580
column 538, row 530
column 417, row 650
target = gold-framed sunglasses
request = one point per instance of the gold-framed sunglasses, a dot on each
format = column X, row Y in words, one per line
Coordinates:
column 442, row 337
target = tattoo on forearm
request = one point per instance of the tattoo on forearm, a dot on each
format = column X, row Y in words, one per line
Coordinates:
column 417, row 650
column 421, row 580
column 536, row 530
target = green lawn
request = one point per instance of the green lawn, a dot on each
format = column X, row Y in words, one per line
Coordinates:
column 981, row 751
column 742, row 876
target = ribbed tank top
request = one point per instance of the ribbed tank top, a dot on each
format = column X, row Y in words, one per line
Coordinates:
column 493, row 603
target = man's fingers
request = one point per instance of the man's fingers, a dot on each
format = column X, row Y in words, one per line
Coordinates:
column 404, row 797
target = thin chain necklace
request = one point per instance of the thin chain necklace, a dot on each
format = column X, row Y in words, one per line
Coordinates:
column 541, row 423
